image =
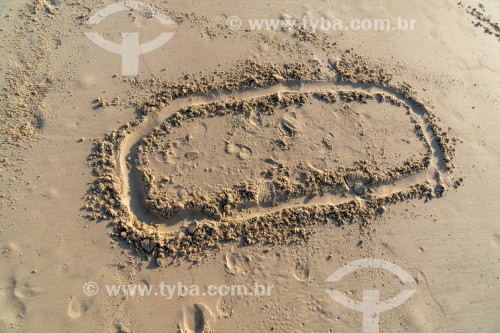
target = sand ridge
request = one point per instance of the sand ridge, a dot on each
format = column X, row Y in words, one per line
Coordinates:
column 116, row 158
column 286, row 181
column 482, row 19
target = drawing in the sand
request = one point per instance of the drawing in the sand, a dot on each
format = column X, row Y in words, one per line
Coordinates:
column 266, row 159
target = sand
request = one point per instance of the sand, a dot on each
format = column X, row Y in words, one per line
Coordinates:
column 249, row 211
column 240, row 156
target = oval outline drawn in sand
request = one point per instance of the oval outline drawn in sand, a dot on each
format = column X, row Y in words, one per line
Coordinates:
column 118, row 193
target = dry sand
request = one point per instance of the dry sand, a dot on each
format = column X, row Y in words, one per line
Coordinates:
column 240, row 156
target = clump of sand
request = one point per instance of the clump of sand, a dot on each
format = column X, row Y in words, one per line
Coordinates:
column 483, row 20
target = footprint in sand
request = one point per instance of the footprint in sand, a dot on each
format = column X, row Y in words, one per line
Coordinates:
column 13, row 309
column 77, row 307
column 243, row 152
column 495, row 240
column 301, row 272
column 197, row 319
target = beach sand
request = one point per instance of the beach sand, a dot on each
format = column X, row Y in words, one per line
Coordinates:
column 265, row 158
